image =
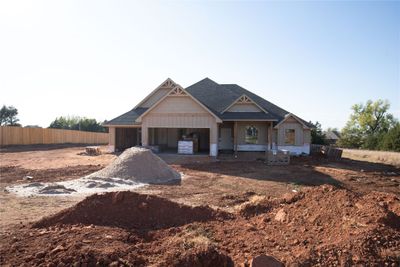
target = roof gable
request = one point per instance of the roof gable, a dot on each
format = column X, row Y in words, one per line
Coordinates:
column 295, row 118
column 174, row 92
column 158, row 93
column 244, row 104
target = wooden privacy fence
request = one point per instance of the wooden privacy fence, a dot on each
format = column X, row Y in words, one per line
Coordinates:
column 32, row 136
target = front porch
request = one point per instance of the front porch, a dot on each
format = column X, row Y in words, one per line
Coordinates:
column 245, row 136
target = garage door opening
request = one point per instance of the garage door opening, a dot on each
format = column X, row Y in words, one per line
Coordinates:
column 127, row 137
column 167, row 139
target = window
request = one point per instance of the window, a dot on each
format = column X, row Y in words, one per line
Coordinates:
column 251, row 135
column 289, row 136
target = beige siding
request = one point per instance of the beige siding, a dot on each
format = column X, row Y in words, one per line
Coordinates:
column 247, row 107
column 307, row 136
column 155, row 97
column 178, row 112
column 262, row 132
column 291, row 119
column 178, row 121
column 299, row 132
column 111, row 136
column 178, row 104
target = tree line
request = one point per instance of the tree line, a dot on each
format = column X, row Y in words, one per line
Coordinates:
column 370, row 126
column 8, row 117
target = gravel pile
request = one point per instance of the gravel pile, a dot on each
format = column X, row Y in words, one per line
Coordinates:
column 134, row 168
column 139, row 165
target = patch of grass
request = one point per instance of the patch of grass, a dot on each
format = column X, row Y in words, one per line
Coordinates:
column 194, row 236
column 386, row 157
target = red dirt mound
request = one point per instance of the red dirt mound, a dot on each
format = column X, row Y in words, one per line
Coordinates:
column 323, row 226
column 131, row 210
column 259, row 204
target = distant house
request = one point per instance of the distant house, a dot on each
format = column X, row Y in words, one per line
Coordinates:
column 221, row 117
column 331, row 137
column 32, row 126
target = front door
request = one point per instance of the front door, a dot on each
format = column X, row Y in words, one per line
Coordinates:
column 226, row 140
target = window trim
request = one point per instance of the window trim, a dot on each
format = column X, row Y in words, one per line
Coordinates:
column 255, row 136
column 285, row 137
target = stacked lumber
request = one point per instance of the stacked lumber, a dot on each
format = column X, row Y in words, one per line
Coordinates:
column 93, row 150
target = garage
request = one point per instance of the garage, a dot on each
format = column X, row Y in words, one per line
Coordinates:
column 127, row 137
column 170, row 139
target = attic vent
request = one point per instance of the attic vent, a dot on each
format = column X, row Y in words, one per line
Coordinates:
column 244, row 100
column 177, row 91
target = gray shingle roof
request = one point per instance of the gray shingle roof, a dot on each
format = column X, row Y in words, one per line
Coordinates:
column 334, row 135
column 217, row 97
column 127, row 118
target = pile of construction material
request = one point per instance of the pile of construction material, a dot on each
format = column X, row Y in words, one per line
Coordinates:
column 93, row 150
column 278, row 157
column 134, row 168
column 330, row 152
column 139, row 165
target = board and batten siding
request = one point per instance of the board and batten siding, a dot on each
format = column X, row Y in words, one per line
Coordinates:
column 244, row 107
column 160, row 93
column 302, row 136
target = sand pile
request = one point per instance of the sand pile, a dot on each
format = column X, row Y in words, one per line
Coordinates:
column 130, row 210
column 140, row 165
column 134, row 168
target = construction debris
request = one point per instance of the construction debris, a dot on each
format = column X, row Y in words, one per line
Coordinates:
column 93, row 150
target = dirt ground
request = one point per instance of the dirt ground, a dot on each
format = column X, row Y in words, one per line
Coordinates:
column 222, row 185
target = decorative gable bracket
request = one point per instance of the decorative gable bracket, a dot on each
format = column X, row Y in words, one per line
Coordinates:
column 177, row 91
column 168, row 84
column 244, row 99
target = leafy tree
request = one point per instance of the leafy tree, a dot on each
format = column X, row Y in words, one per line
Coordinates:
column 317, row 136
column 77, row 123
column 8, row 116
column 391, row 140
column 367, row 125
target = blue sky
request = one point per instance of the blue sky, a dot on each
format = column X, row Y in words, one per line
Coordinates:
column 100, row 58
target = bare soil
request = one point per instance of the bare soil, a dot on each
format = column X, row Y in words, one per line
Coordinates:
column 320, row 226
column 342, row 213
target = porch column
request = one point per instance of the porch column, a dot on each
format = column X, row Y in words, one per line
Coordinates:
column 214, row 140
column 269, row 129
column 145, row 136
column 235, row 137
column 111, row 139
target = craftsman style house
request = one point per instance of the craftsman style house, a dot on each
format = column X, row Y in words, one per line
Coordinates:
column 220, row 117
